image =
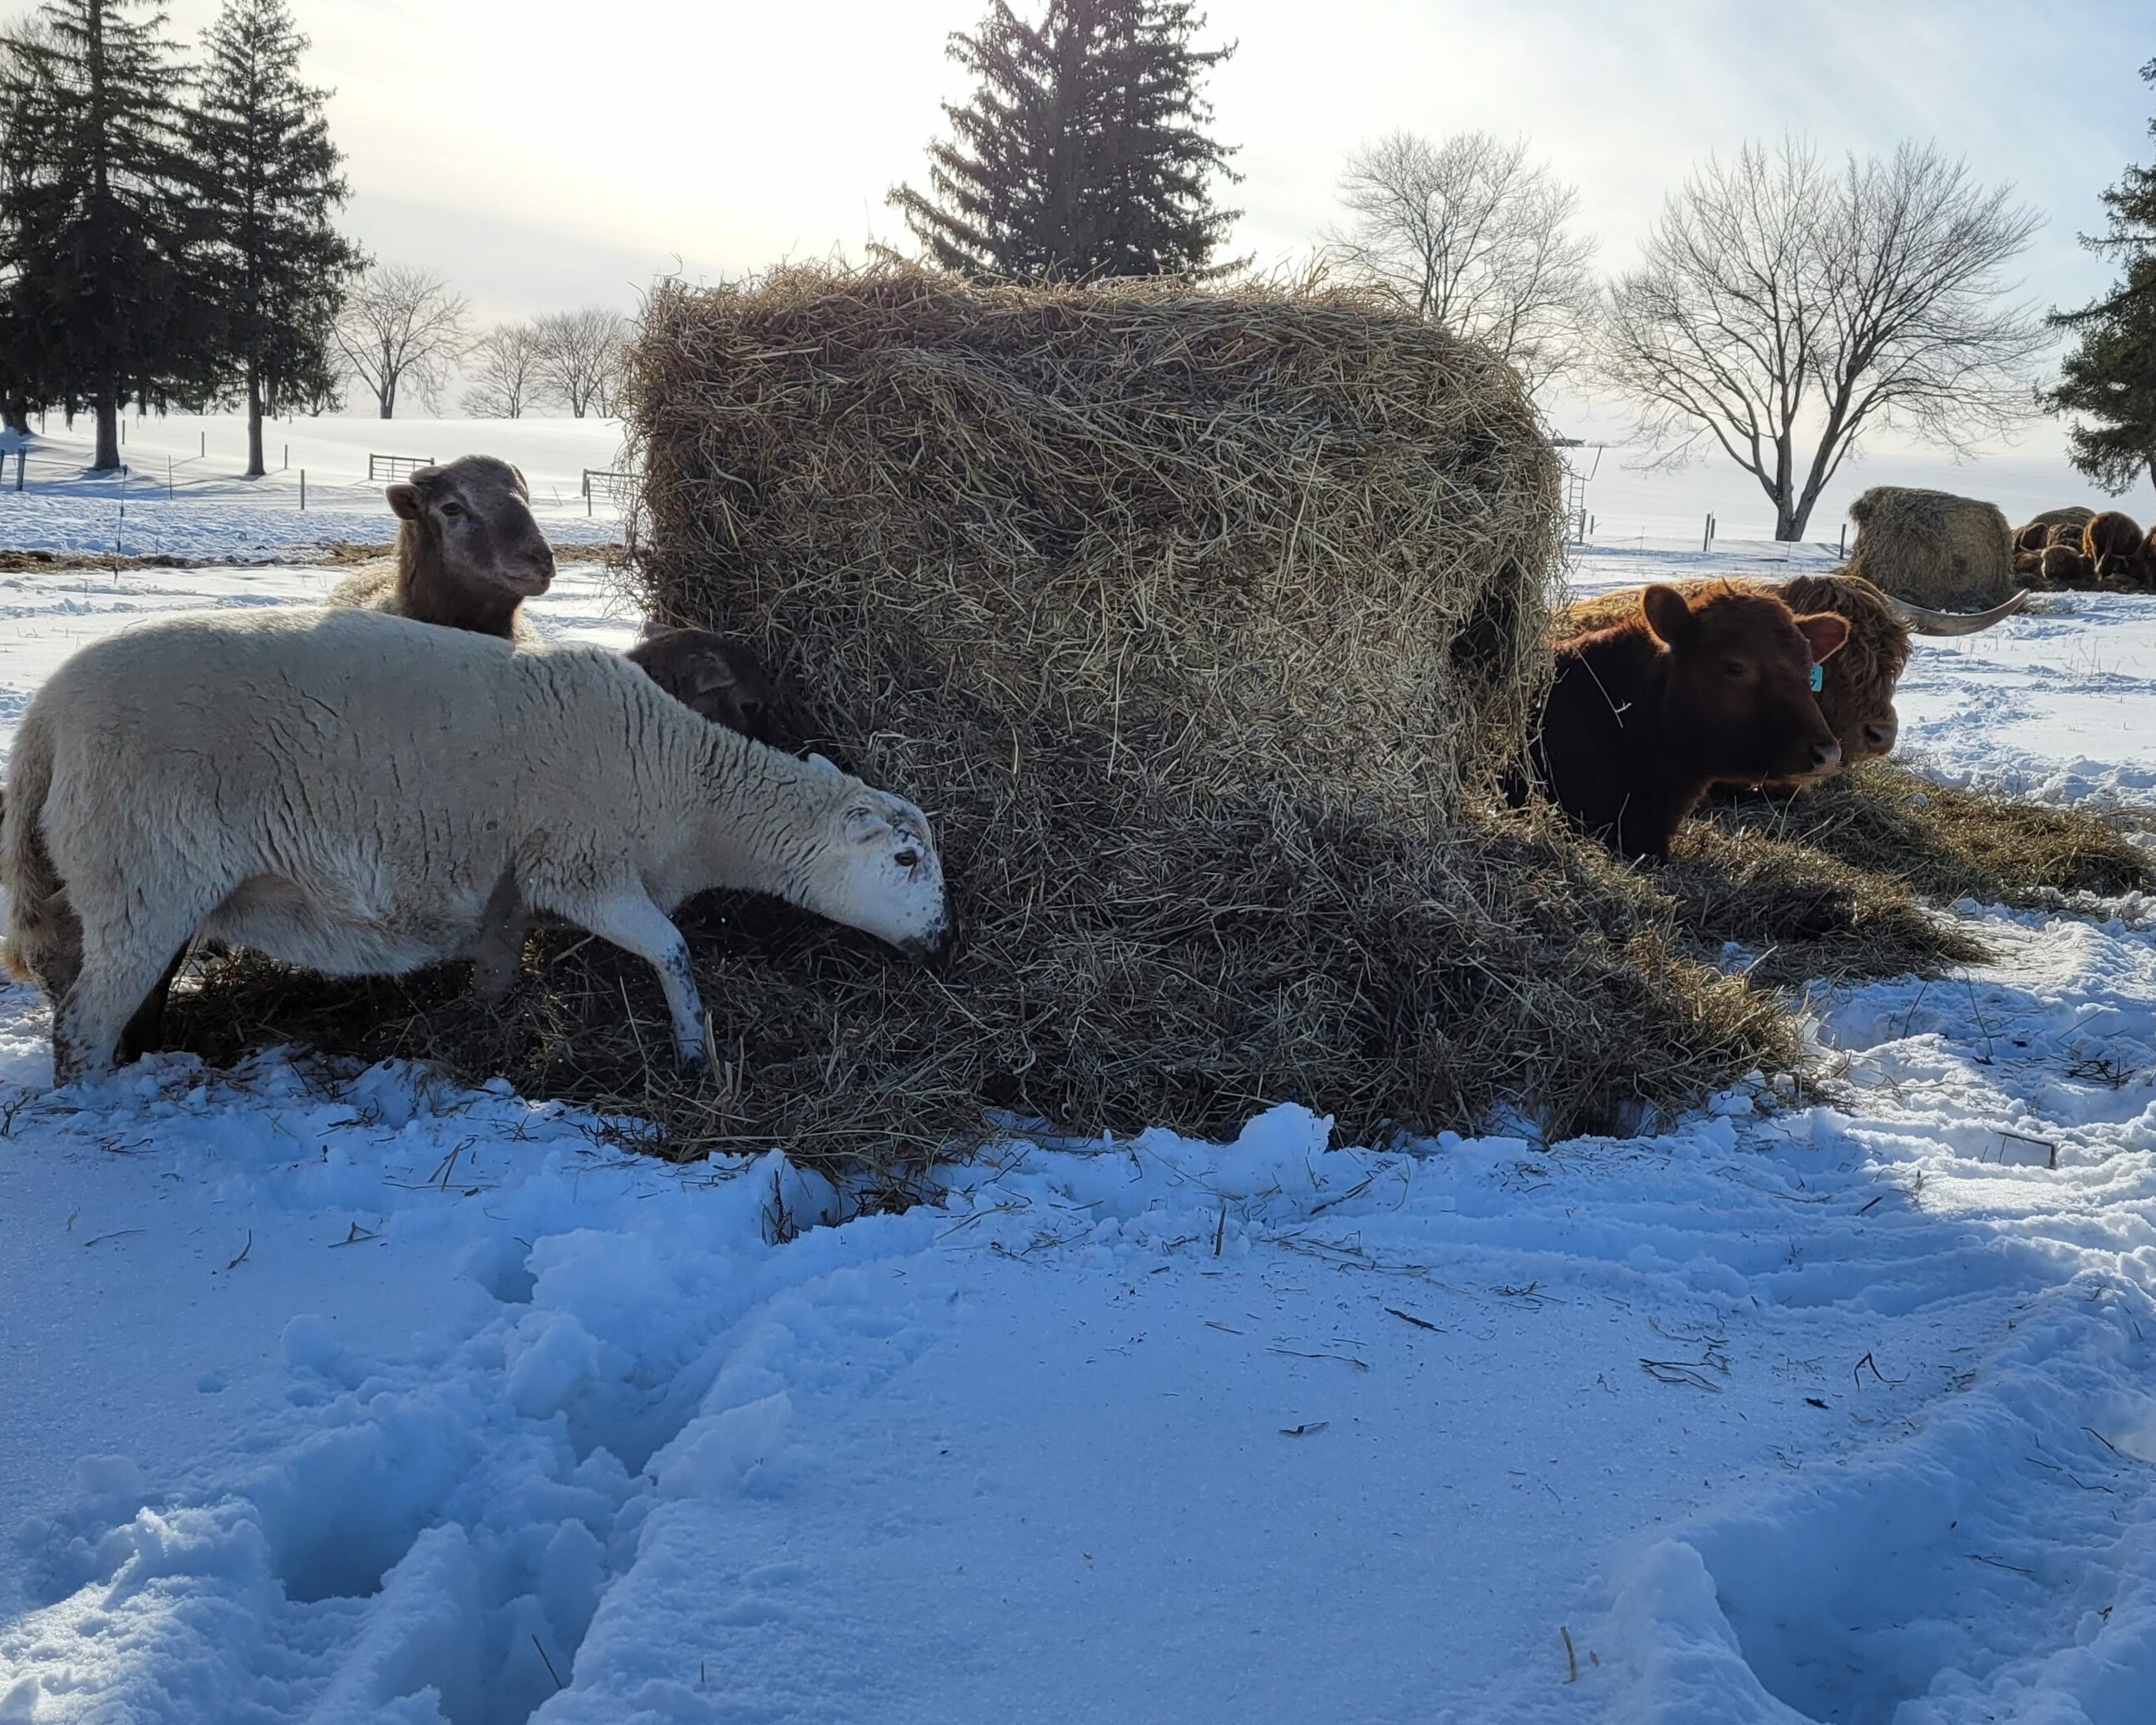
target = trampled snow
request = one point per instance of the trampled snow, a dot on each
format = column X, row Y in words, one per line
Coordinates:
column 346, row 1398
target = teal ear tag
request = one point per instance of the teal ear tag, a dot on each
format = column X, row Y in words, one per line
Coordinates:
column 1819, row 678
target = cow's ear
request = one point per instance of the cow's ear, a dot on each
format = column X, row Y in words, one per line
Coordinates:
column 1667, row 615
column 1826, row 630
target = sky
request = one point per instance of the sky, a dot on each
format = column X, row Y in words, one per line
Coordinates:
column 544, row 154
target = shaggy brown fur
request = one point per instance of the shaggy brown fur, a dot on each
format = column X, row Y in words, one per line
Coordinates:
column 2111, row 543
column 2029, row 562
column 2047, row 528
column 2064, row 566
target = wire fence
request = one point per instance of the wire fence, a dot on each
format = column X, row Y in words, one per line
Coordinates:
column 356, row 482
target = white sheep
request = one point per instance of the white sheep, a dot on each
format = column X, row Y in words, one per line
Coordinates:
column 359, row 794
column 469, row 551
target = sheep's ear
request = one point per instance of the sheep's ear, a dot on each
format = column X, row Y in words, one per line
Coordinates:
column 404, row 500
column 1826, row 631
column 652, row 626
column 865, row 824
column 1667, row 615
column 815, row 760
column 715, row 673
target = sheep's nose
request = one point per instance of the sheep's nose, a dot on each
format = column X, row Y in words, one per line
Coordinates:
column 1879, row 735
column 1825, row 757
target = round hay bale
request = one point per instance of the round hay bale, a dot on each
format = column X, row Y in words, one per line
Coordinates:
column 1201, row 623
column 1932, row 548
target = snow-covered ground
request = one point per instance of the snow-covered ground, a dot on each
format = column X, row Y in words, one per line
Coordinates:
column 374, row 1400
column 181, row 495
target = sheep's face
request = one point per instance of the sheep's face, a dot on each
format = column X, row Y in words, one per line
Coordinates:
column 879, row 872
column 474, row 522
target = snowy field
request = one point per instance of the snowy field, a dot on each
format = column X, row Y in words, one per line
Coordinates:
column 372, row 1399
column 181, row 495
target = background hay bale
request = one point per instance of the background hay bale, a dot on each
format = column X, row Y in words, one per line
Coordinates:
column 1201, row 623
column 1932, row 548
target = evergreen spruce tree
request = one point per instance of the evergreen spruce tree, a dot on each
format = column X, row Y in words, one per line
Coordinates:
column 1082, row 153
column 21, row 145
column 268, row 189
column 93, row 219
column 2109, row 377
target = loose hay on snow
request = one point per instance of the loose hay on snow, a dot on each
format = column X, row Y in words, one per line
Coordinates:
column 1947, row 843
column 1801, row 914
column 1932, row 548
column 1201, row 623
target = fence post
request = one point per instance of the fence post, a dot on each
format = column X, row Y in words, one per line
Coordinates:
column 22, row 462
column 168, row 479
column 1706, row 536
column 1844, row 540
column 205, row 444
column 288, row 455
column 303, row 488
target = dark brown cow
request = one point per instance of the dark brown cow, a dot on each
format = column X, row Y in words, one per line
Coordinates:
column 719, row 678
column 2054, row 527
column 1856, row 692
column 2112, row 544
column 2064, row 566
column 1709, row 688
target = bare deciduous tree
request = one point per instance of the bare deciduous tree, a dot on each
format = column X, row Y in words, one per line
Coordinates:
column 1475, row 237
column 504, row 376
column 402, row 328
column 1779, row 303
column 580, row 357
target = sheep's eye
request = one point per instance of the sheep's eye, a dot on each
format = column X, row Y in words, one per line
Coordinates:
column 1733, row 667
column 906, row 859
column 452, row 509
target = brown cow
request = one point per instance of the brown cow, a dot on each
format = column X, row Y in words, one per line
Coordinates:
column 1856, row 692
column 1691, row 691
column 2064, row 566
column 2112, row 544
column 2052, row 528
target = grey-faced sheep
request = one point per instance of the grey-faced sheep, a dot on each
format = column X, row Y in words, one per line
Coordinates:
column 469, row 551
column 358, row 793
column 722, row 678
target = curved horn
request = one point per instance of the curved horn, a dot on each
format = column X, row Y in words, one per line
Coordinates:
column 1924, row 621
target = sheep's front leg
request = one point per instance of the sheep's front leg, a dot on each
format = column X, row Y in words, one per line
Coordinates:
column 630, row 919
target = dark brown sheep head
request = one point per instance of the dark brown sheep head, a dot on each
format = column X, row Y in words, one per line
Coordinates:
column 719, row 678
column 470, row 550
